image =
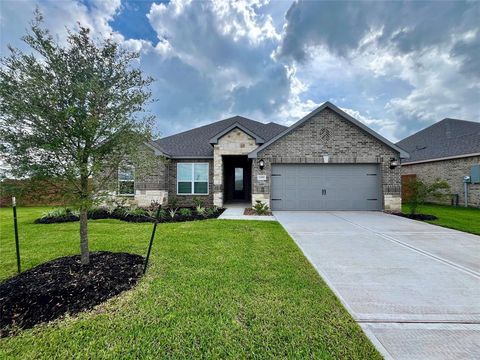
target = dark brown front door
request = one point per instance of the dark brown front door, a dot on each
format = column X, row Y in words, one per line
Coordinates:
column 237, row 178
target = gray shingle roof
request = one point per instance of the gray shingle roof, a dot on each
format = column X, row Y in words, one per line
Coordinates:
column 448, row 137
column 196, row 142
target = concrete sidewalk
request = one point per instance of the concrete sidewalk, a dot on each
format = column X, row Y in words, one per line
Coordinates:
column 413, row 287
column 235, row 212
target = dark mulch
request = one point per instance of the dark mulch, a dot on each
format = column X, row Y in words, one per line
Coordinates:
column 250, row 211
column 136, row 218
column 57, row 219
column 63, row 286
column 421, row 217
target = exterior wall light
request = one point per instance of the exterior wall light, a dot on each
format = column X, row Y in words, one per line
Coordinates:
column 261, row 164
column 393, row 163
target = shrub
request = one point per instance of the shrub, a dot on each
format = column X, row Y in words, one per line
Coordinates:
column 173, row 202
column 163, row 214
column 200, row 210
column 58, row 215
column 137, row 212
column 56, row 212
column 172, row 212
column 185, row 212
column 211, row 211
column 260, row 208
column 420, row 192
column 198, row 202
column 98, row 213
column 152, row 208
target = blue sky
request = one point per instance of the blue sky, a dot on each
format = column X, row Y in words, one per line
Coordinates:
column 396, row 66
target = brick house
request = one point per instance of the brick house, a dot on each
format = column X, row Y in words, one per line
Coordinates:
column 326, row 161
column 447, row 150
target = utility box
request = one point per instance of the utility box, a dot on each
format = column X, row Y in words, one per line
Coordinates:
column 475, row 174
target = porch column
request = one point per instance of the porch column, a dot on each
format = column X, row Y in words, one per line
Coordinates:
column 217, row 178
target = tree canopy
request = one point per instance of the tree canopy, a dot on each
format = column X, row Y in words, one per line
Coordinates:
column 72, row 112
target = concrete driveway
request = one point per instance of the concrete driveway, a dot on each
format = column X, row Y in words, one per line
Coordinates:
column 413, row 287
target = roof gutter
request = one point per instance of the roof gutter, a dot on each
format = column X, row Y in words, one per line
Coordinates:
column 440, row 159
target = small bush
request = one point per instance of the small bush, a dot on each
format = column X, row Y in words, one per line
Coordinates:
column 211, row 211
column 198, row 202
column 138, row 212
column 173, row 202
column 57, row 215
column 163, row 214
column 98, row 213
column 420, row 192
column 185, row 212
column 260, row 208
column 172, row 212
column 200, row 210
column 56, row 212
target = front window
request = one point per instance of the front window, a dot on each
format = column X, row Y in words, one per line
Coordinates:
column 126, row 181
column 192, row 178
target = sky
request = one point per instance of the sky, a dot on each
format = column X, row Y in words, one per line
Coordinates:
column 396, row 66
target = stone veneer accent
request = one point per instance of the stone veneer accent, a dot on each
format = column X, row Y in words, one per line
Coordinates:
column 452, row 171
column 235, row 142
column 327, row 133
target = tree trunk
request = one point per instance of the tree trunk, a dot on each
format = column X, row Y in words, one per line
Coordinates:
column 84, row 251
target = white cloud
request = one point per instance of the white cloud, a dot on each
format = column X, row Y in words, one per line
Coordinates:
column 407, row 70
column 254, row 58
column 214, row 60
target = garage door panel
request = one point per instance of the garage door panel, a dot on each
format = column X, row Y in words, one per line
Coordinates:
column 326, row 187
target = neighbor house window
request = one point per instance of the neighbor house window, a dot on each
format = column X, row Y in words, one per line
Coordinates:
column 192, row 178
column 126, row 181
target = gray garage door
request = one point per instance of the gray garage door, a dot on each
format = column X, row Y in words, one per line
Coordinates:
column 326, row 187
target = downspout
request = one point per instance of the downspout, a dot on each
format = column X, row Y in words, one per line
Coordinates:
column 466, row 180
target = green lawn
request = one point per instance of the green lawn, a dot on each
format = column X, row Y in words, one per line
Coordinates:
column 454, row 217
column 215, row 289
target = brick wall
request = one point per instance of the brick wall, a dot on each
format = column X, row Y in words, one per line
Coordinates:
column 327, row 133
column 452, row 171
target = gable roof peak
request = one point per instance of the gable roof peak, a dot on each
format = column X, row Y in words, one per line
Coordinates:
column 343, row 114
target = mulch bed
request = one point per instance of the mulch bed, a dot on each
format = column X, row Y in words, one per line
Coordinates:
column 63, row 286
column 103, row 214
column 421, row 217
column 250, row 211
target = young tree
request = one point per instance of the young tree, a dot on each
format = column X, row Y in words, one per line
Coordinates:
column 72, row 112
column 420, row 192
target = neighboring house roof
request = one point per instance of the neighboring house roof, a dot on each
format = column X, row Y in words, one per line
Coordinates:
column 196, row 143
column 444, row 139
column 403, row 153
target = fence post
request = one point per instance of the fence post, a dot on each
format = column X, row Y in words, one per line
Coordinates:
column 151, row 239
column 17, row 245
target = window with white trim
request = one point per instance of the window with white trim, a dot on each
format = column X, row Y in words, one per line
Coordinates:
column 126, row 181
column 192, row 178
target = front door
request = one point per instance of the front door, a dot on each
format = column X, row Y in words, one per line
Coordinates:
column 239, row 184
column 237, row 178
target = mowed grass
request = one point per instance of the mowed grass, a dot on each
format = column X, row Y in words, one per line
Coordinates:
column 215, row 289
column 454, row 217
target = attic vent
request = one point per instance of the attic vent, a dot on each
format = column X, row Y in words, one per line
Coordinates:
column 324, row 134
